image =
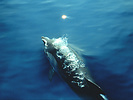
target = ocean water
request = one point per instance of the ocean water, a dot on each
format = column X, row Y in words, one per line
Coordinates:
column 102, row 28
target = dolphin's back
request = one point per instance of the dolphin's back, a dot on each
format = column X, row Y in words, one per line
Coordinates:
column 74, row 72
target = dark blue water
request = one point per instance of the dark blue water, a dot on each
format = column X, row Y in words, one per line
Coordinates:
column 102, row 28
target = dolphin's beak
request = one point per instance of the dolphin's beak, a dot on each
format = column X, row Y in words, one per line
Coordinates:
column 45, row 40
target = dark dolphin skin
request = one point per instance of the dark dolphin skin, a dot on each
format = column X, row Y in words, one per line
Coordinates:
column 72, row 69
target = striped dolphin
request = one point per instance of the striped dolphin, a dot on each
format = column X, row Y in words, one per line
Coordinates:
column 69, row 65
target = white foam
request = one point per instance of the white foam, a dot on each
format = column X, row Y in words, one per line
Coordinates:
column 74, row 63
column 60, row 42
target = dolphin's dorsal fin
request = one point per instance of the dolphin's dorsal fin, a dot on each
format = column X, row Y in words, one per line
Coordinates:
column 51, row 73
column 94, row 86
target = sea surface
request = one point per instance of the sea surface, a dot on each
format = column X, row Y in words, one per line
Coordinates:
column 102, row 28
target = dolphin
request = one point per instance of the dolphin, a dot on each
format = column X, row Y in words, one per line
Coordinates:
column 70, row 66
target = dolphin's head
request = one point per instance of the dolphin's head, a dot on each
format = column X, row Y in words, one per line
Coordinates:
column 48, row 44
column 52, row 45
